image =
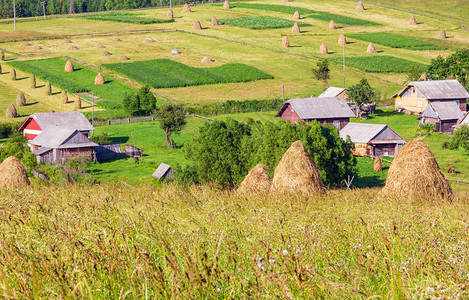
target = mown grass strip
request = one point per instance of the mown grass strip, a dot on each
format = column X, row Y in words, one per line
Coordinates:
column 125, row 18
column 379, row 64
column 393, row 40
column 260, row 22
column 165, row 73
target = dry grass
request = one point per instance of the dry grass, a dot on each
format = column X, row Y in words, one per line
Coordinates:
column 13, row 173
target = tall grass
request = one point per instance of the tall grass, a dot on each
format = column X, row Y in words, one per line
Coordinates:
column 393, row 40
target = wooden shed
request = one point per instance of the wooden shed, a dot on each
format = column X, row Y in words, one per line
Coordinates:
column 163, row 171
column 443, row 115
column 334, row 92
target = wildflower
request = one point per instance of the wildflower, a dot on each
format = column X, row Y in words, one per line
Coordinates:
column 298, row 252
column 272, row 261
column 285, row 252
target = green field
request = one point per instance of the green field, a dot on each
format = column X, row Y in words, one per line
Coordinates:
column 380, row 64
column 394, row 40
column 272, row 7
column 341, row 20
column 260, row 22
column 125, row 18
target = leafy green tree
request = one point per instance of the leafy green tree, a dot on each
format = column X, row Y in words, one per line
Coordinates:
column 438, row 69
column 414, row 72
column 143, row 102
column 460, row 138
column 362, row 93
column 172, row 119
column 16, row 146
column 322, row 71
column 454, row 66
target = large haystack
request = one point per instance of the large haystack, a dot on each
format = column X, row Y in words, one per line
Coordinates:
column 412, row 20
column 13, row 173
column 377, row 166
column 323, row 49
column 64, row 97
column 342, row 40
column 370, row 48
column 123, row 57
column 257, row 181
column 442, row 34
column 69, row 66
column 360, row 6
column 99, row 79
column 332, row 25
column 186, row 9
column 285, row 42
column 197, row 26
column 106, row 53
column 207, row 59
column 296, row 15
column 296, row 28
column 78, row 103
column 170, row 14
column 226, row 5
column 414, row 173
column 11, row 112
column 297, row 172
column 20, row 100
column 214, row 22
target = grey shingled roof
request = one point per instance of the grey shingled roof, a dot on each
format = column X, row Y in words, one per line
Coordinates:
column 161, row 171
column 361, row 132
column 319, row 108
column 62, row 137
column 70, row 119
column 41, row 150
column 331, row 92
column 441, row 89
column 464, row 120
column 446, row 110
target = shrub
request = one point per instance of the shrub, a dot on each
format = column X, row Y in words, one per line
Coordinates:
column 426, row 127
column 102, row 138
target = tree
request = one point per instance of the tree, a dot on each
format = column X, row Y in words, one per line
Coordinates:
column 72, row 8
column 414, row 72
column 143, row 102
column 16, row 146
column 454, row 66
column 460, row 138
column 322, row 72
column 172, row 119
column 362, row 93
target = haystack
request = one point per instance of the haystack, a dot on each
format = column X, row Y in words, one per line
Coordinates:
column 100, row 46
column 106, row 53
column 442, row 34
column 170, row 14
column 20, row 100
column 423, row 77
column 257, row 181
column 332, row 25
column 99, row 79
column 226, row 5
column 377, row 167
column 11, row 112
column 360, row 6
column 78, row 103
column 123, row 57
column 64, row 97
column 323, row 49
column 48, row 89
column 214, row 22
column 186, row 9
column 69, row 66
column 297, row 172
column 1, row 71
column 32, row 81
column 13, row 173
column 412, row 20
column 13, row 74
column 25, row 44
column 197, row 26
column 342, row 40
column 36, row 47
column 207, row 59
column 68, row 42
column 370, row 48
column 116, row 39
column 414, row 173
column 296, row 15
column 296, row 28
column 73, row 48
column 285, row 42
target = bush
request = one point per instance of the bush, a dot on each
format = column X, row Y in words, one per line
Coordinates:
column 7, row 129
column 426, row 127
column 16, row 146
column 460, row 138
column 79, row 164
column 103, row 138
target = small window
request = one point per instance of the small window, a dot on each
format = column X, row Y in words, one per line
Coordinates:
column 420, row 103
column 398, row 102
column 457, row 102
column 336, row 124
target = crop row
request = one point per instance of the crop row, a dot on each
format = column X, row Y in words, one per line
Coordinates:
column 125, row 18
column 394, row 40
column 260, row 22
column 380, row 64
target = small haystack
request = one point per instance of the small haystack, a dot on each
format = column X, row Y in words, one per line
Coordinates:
column 99, row 79
column 106, row 53
column 100, row 46
column 342, row 40
column 123, row 57
column 170, row 14
column 360, row 6
column 67, row 42
column 186, row 8
column 414, row 173
column 78, row 103
column 296, row 28
column 412, row 20
column 36, row 47
column 226, row 5
column 207, row 59
column 423, row 77
column 64, row 97
column 69, row 66
column 13, row 74
column 197, row 26
column 323, row 49
column 32, row 81
column 48, row 89
column 13, row 173
column 332, row 25
column 370, row 48
column 257, row 181
column 214, row 22
column 442, row 34
column 377, row 167
column 296, row 15
column 285, row 42
column 11, row 112
column 148, row 40
column 73, row 48
column 20, row 100
column 25, row 44
column 297, row 172
column 116, row 39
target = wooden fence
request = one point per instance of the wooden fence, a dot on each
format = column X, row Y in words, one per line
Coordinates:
column 124, row 121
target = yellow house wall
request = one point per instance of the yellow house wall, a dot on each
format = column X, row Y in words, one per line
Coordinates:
column 411, row 103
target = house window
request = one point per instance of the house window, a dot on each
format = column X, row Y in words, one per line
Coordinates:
column 419, row 103
column 336, row 124
column 398, row 102
column 457, row 102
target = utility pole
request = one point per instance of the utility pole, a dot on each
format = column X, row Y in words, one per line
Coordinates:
column 283, row 92
column 92, row 108
column 44, row 8
column 343, row 60
column 170, row 5
column 14, row 13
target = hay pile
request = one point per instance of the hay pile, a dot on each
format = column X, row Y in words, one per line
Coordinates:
column 226, row 5
column 186, row 8
column 257, row 181
column 442, row 34
column 323, row 49
column 123, row 57
column 297, row 172
column 197, row 26
column 116, row 39
column 377, row 166
column 20, row 100
column 73, row 48
column 207, row 59
column 13, row 74
column 25, row 44
column 69, row 66
column 99, row 79
column 68, row 42
column 296, row 28
column 13, row 173
column 106, row 53
column 78, row 103
column 342, row 40
column 32, row 80
column 414, row 173
column 412, row 20
column 48, row 89
column 100, row 46
column 285, row 42
column 36, row 47
column 170, row 14
column 370, row 48
column 214, row 22
column 64, row 97
column 296, row 15
column 360, row 6
column 11, row 112
column 332, row 25
column 423, row 77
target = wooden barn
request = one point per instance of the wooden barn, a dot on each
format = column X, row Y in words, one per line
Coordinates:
column 372, row 139
column 39, row 122
column 415, row 97
column 443, row 115
column 330, row 110
column 163, row 171
column 60, row 144
column 334, row 92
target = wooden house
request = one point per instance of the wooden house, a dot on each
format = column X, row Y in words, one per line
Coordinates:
column 39, row 122
column 330, row 110
column 334, row 92
column 372, row 139
column 163, row 171
column 60, row 144
column 443, row 115
column 415, row 97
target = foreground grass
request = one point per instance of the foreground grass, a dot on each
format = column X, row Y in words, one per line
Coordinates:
column 111, row 241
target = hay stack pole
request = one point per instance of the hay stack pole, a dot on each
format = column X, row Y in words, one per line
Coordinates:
column 285, row 42
column 414, row 173
column 226, row 5
column 442, row 34
column 170, row 14
column 412, row 20
column 257, row 181
column 78, row 103
column 323, row 49
column 99, row 79
column 69, row 66
column 377, row 166
column 296, row 15
column 11, row 112
column 332, row 25
column 296, row 28
column 360, row 6
column 186, row 8
column 214, row 22
column 370, row 48
column 20, row 100
column 13, row 173
column 342, row 40
column 297, row 172
column 197, row 26
column 64, row 97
